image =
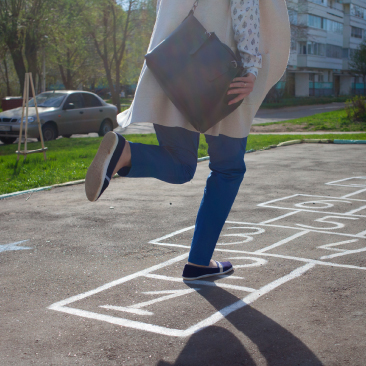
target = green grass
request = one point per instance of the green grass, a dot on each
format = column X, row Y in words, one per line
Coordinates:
column 296, row 101
column 328, row 121
column 68, row 159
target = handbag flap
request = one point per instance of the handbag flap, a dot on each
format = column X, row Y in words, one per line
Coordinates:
column 216, row 56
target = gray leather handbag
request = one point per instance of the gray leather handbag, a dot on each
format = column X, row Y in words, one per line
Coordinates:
column 195, row 70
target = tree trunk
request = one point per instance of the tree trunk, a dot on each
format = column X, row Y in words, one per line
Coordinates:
column 66, row 78
column 30, row 51
column 18, row 62
column 8, row 90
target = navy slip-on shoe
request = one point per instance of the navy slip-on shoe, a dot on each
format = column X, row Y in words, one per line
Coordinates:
column 101, row 169
column 194, row 273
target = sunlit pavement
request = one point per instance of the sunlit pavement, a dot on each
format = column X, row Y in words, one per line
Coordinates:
column 100, row 283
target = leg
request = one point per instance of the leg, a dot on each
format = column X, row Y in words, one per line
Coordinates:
column 227, row 172
column 173, row 161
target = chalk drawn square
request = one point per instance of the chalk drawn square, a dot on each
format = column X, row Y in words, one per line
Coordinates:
column 325, row 204
column 344, row 225
column 105, row 302
column 349, row 182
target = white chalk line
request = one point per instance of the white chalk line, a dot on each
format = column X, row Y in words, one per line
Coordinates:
column 293, row 212
column 356, row 210
column 281, row 242
column 354, row 193
column 264, row 204
column 308, row 210
column 326, row 198
column 300, row 259
column 57, row 305
column 346, row 252
column 155, row 241
column 334, row 183
column 223, row 313
column 123, row 322
column 13, row 246
column 136, row 308
column 361, row 235
column 127, row 309
column 197, row 327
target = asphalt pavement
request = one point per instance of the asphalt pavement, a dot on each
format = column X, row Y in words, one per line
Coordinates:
column 100, row 283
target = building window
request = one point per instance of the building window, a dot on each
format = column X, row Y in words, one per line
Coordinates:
column 317, row 22
column 293, row 45
column 356, row 32
column 333, row 51
column 358, row 11
column 302, row 50
column 312, row 48
column 334, row 27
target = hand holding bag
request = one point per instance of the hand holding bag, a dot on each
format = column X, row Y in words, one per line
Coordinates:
column 195, row 70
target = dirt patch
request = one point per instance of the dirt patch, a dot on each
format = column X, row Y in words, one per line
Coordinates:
column 279, row 127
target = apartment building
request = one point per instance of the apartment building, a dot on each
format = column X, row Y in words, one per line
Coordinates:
column 325, row 33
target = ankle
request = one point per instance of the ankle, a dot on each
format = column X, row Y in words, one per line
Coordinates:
column 212, row 264
column 125, row 158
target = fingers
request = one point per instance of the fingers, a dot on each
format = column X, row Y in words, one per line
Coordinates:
column 243, row 86
column 238, row 98
column 239, row 85
column 239, row 91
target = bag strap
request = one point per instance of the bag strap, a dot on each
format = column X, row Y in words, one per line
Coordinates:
column 193, row 7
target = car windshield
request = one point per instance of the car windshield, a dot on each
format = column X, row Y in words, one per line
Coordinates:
column 48, row 100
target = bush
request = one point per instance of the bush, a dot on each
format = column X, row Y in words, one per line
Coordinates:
column 356, row 109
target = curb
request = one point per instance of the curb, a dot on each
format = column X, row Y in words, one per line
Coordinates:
column 349, row 141
column 285, row 143
column 47, row 188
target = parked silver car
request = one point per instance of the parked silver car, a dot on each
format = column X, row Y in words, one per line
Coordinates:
column 61, row 113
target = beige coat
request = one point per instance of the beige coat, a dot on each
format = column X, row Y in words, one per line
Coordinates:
column 152, row 105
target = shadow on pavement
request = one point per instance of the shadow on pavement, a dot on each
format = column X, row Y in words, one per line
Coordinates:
column 217, row 346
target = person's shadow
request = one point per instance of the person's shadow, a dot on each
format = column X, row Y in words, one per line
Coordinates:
column 215, row 345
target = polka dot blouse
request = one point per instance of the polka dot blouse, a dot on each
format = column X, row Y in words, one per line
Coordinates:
column 245, row 19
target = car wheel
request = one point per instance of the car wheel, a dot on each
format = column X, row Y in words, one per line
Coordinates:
column 66, row 136
column 49, row 132
column 7, row 140
column 105, row 127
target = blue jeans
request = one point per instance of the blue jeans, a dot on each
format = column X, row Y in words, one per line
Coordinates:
column 175, row 161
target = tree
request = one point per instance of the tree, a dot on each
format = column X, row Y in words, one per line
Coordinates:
column 69, row 49
column 357, row 63
column 110, row 26
column 4, row 70
column 23, row 25
column 10, row 12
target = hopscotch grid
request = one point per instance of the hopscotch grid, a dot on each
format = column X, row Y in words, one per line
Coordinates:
column 254, row 294
column 214, row 318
